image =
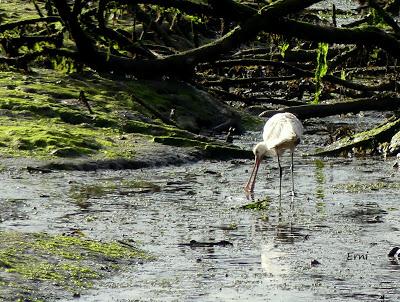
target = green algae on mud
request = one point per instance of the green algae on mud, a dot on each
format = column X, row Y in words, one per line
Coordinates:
column 58, row 263
column 41, row 115
column 47, row 138
column 258, row 205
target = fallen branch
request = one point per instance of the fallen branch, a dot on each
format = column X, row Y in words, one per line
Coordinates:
column 363, row 143
column 379, row 103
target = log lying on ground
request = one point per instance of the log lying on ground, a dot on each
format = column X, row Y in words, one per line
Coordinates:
column 394, row 147
column 379, row 103
column 367, row 142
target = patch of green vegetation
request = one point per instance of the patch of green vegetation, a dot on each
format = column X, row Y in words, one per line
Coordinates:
column 257, row 205
column 44, row 138
column 69, row 262
column 366, row 187
column 12, row 10
column 81, row 193
column 42, row 116
column 80, row 248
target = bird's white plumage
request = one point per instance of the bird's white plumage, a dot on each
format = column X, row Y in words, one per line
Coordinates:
column 281, row 130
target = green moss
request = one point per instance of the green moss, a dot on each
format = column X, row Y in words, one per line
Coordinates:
column 41, row 115
column 47, row 138
column 257, row 205
column 41, row 137
column 69, row 262
column 82, row 248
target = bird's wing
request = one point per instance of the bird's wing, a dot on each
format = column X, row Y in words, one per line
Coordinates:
column 282, row 129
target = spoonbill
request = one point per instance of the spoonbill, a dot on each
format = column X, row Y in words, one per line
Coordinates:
column 282, row 132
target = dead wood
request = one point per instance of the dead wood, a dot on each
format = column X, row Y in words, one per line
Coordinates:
column 183, row 63
column 369, row 142
column 385, row 16
column 304, row 73
column 228, row 82
column 378, row 103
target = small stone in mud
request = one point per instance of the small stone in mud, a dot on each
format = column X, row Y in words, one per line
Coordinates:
column 198, row 260
column 76, row 295
column 315, row 262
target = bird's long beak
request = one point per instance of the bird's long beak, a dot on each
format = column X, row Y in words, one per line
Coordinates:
column 251, row 183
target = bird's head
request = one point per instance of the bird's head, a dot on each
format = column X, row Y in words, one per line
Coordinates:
column 260, row 150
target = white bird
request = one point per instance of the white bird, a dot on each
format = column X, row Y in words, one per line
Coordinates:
column 283, row 131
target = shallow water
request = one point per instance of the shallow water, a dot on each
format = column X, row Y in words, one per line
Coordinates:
column 345, row 216
column 348, row 233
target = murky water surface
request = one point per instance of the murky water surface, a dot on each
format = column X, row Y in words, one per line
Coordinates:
column 330, row 243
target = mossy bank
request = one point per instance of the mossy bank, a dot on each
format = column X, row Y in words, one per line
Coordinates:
column 43, row 115
column 41, row 267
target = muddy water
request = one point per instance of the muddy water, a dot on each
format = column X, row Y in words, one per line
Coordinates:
column 348, row 233
column 345, row 216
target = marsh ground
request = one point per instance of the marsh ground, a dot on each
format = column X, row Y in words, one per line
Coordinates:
column 345, row 216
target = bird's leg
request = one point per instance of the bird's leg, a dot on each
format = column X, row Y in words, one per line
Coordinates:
column 291, row 170
column 280, row 178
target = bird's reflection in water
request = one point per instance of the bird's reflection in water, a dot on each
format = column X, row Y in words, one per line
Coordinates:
column 279, row 230
column 272, row 260
column 276, row 218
